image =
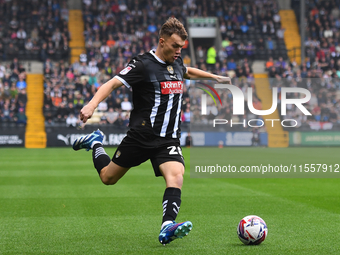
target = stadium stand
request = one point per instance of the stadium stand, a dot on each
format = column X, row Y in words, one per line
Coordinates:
column 75, row 67
column 13, row 97
column 114, row 33
column 319, row 73
column 36, row 30
column 110, row 44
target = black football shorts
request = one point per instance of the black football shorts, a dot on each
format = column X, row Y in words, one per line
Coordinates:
column 131, row 153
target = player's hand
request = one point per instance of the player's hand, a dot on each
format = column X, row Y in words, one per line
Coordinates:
column 223, row 79
column 86, row 113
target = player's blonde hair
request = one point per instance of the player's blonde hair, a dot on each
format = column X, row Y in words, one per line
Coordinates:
column 173, row 26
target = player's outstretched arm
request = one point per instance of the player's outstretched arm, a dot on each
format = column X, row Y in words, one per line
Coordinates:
column 197, row 74
column 103, row 92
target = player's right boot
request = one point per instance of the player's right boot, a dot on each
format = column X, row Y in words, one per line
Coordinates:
column 85, row 142
column 173, row 231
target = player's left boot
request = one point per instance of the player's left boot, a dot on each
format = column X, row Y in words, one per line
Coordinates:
column 85, row 142
column 173, row 231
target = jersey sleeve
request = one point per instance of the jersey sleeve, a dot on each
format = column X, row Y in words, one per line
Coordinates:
column 185, row 70
column 132, row 74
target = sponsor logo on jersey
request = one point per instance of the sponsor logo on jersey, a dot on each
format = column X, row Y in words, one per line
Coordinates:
column 125, row 70
column 172, row 87
column 170, row 69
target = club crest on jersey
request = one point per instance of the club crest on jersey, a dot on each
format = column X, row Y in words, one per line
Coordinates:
column 170, row 69
column 118, row 154
column 125, row 70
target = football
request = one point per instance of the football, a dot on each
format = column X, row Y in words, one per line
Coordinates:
column 252, row 230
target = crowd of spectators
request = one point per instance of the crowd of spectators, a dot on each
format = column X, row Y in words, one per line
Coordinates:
column 69, row 87
column 34, row 30
column 114, row 32
column 117, row 30
column 324, row 86
column 13, row 96
column 319, row 73
column 322, row 32
column 250, row 29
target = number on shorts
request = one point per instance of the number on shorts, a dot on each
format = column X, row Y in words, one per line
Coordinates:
column 173, row 150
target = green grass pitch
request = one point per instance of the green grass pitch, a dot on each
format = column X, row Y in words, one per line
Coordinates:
column 52, row 202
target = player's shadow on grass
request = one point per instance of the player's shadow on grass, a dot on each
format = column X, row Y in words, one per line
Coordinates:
column 244, row 245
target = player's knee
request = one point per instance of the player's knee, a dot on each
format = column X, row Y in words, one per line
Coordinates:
column 109, row 181
column 179, row 177
column 179, row 174
column 176, row 179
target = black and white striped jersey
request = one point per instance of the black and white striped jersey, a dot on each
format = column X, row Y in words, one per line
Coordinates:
column 157, row 89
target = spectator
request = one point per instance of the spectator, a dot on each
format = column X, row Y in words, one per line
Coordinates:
column 7, row 115
column 119, row 122
column 21, row 84
column 199, row 54
column 110, row 42
column 20, row 117
column 188, row 140
column 260, row 45
column 15, row 64
column 280, row 33
column 78, row 101
column 29, row 45
column 72, row 121
column 280, row 65
column 2, row 52
column 105, row 50
column 48, row 113
column 231, row 64
column 265, row 27
column 152, row 28
column 21, row 34
column 250, row 50
column 22, row 96
column 270, row 44
column 34, row 34
column 186, row 60
column 244, row 27
column 102, row 107
column 111, row 116
column 230, row 49
column 211, row 57
column 276, row 18
column 241, row 48
column 186, row 116
column 12, row 51
column 225, row 42
column 126, row 105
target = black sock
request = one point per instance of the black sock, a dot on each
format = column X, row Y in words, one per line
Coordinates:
column 171, row 203
column 100, row 158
